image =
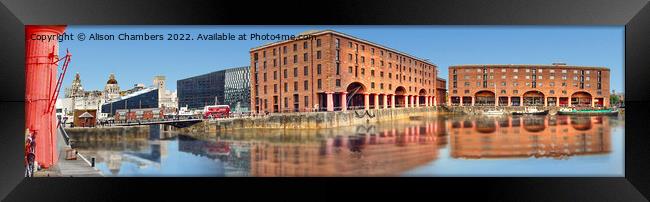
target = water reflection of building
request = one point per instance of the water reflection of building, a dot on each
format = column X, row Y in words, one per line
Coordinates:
column 114, row 163
column 367, row 151
column 549, row 136
column 234, row 155
column 376, row 153
column 139, row 147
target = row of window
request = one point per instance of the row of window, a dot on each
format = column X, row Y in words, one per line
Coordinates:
column 337, row 43
column 350, row 70
column 552, row 92
column 286, row 102
column 515, row 84
column 355, row 59
column 390, row 54
column 454, row 71
column 467, row 77
column 319, row 85
column 305, row 46
column 305, row 58
column 422, row 73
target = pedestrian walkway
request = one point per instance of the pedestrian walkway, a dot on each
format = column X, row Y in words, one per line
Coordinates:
column 69, row 168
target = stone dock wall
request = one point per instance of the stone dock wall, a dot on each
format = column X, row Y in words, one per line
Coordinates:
column 314, row 120
column 107, row 133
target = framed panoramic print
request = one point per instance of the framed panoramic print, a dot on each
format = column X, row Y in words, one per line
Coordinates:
column 510, row 100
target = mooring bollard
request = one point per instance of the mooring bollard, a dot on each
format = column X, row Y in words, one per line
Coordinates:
column 92, row 162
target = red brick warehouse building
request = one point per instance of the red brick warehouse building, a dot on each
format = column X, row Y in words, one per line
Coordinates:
column 333, row 71
column 529, row 85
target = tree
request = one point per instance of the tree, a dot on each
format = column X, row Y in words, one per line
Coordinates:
column 614, row 100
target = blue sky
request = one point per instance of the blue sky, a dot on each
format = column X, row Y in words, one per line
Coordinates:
column 139, row 61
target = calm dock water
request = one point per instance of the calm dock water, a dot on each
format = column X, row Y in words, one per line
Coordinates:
column 423, row 146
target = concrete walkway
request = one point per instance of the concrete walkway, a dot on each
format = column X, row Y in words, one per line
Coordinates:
column 69, row 168
column 76, row 168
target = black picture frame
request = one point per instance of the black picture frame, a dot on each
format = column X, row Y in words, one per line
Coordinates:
column 634, row 15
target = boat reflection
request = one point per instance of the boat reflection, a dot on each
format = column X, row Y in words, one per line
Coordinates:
column 529, row 136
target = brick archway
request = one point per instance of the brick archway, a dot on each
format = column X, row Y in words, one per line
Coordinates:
column 422, row 97
column 533, row 98
column 581, row 99
column 400, row 92
column 484, row 98
column 355, row 95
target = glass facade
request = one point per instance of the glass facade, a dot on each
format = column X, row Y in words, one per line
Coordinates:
column 237, row 89
column 146, row 98
column 199, row 91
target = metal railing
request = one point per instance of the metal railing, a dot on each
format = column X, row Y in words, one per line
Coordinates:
column 66, row 138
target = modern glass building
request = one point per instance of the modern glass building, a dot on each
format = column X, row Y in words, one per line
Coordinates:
column 199, row 91
column 146, row 98
column 237, row 89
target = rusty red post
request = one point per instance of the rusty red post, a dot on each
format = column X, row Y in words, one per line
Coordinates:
column 40, row 80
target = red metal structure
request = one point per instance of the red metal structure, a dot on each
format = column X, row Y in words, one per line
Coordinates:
column 41, row 89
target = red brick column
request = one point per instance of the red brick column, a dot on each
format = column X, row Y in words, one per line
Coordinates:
column 433, row 101
column 385, row 101
column 414, row 100
column 330, row 101
column 366, row 101
column 406, row 101
column 376, row 101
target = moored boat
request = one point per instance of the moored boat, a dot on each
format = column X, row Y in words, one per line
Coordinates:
column 589, row 112
column 494, row 112
column 530, row 111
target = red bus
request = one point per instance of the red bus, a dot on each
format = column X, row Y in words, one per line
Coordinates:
column 216, row 111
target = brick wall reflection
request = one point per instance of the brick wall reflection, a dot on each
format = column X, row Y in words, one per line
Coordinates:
column 550, row 136
column 378, row 152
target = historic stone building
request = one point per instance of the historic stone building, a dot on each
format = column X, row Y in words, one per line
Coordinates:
column 112, row 89
column 167, row 98
column 529, row 85
column 76, row 98
column 76, row 89
column 332, row 71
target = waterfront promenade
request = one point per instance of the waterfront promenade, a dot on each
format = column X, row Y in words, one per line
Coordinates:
column 80, row 167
